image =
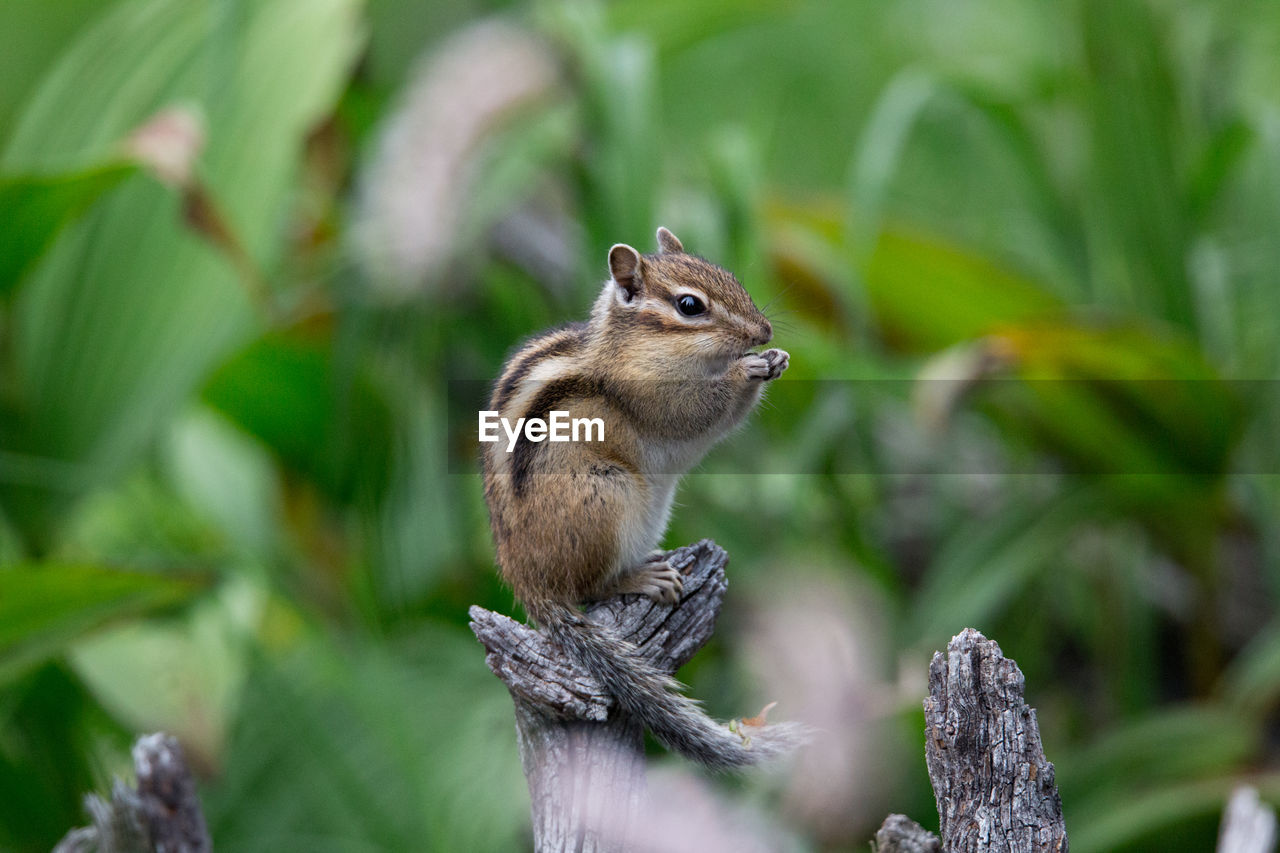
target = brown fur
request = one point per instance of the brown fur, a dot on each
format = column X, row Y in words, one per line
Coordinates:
column 574, row 521
column 562, row 514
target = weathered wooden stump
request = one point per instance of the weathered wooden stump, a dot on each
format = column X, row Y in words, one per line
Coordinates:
column 162, row 814
column 994, row 788
column 582, row 757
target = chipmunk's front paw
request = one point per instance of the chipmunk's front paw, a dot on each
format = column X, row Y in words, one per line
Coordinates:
column 767, row 365
column 655, row 578
column 661, row 582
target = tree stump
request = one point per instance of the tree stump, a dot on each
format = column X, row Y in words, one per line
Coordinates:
column 582, row 757
column 162, row 815
column 994, row 788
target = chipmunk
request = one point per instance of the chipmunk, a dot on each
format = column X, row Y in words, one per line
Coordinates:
column 666, row 362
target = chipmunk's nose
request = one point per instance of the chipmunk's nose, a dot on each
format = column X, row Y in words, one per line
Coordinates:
column 764, row 334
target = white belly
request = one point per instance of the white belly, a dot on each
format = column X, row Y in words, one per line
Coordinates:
column 644, row 533
column 663, row 468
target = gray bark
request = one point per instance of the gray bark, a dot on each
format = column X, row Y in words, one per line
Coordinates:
column 583, row 759
column 900, row 834
column 162, row 815
column 994, row 788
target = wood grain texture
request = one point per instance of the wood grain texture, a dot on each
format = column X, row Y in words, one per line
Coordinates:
column 994, row 788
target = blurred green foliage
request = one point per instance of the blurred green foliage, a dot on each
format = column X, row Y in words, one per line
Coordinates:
column 231, row 507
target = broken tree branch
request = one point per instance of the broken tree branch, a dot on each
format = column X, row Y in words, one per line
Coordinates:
column 584, row 762
column 163, row 814
column 994, row 788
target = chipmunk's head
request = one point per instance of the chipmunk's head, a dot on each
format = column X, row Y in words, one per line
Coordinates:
column 687, row 306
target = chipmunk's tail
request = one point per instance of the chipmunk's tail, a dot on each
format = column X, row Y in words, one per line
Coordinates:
column 647, row 694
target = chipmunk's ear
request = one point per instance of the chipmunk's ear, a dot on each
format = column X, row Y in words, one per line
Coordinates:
column 624, row 266
column 668, row 243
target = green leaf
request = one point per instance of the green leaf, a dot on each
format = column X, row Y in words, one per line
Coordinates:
column 280, row 389
column 1253, row 681
column 181, row 675
column 401, row 745
column 1049, row 211
column 56, row 737
column 881, row 147
column 1168, row 817
column 31, row 37
column 928, row 294
column 1118, row 399
column 130, row 310
column 675, row 25
column 1210, row 740
column 288, row 390
column 1218, row 162
column 43, row 608
column 620, row 168
column 35, row 208
column 1141, row 223
column 983, row 567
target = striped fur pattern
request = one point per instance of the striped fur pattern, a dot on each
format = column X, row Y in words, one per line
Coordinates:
column 578, row 521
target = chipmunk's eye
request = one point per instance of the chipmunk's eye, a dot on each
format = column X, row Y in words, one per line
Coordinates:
column 690, row 305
